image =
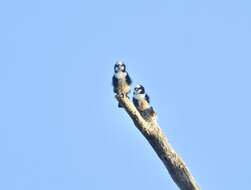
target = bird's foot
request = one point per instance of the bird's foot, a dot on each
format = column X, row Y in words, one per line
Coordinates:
column 120, row 95
column 123, row 96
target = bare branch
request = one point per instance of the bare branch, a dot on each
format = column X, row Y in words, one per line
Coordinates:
column 152, row 132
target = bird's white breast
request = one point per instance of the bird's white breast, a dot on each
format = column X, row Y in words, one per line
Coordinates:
column 139, row 96
column 120, row 75
column 142, row 102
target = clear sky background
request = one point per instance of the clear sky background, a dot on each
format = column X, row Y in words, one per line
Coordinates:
column 60, row 127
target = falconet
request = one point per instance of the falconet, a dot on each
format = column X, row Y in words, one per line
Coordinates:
column 142, row 102
column 121, row 80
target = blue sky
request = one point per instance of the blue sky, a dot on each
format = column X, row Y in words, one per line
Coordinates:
column 60, row 127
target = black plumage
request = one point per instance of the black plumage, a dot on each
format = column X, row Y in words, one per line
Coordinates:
column 128, row 79
column 135, row 102
column 147, row 98
column 114, row 84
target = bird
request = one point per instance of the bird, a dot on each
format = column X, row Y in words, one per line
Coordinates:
column 121, row 80
column 141, row 100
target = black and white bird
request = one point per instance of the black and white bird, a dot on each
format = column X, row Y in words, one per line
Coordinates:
column 142, row 102
column 121, row 80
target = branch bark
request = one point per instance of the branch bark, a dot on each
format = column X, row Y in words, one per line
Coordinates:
column 153, row 133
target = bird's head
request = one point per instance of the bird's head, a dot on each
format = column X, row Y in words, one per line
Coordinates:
column 139, row 89
column 119, row 67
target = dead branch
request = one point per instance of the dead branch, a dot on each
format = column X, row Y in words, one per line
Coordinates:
column 152, row 132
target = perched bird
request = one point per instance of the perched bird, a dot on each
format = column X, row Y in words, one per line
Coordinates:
column 121, row 80
column 142, row 102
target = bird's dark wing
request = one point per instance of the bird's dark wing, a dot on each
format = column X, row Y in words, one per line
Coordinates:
column 147, row 98
column 135, row 102
column 114, row 83
column 128, row 79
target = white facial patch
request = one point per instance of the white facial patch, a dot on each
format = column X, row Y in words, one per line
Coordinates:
column 116, row 69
